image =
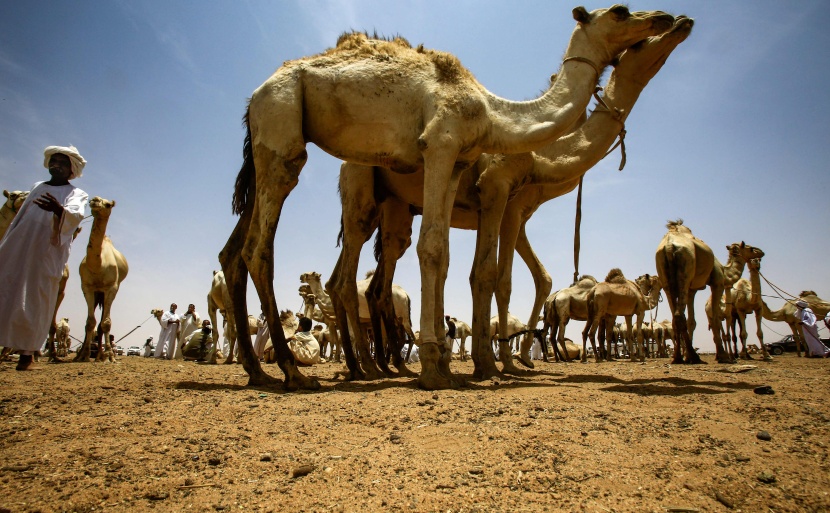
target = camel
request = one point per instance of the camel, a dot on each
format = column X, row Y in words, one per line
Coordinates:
column 101, row 271
column 620, row 296
column 564, row 305
column 62, row 337
column 14, row 200
column 787, row 314
column 686, row 264
column 514, row 325
column 543, row 176
column 218, row 299
column 375, row 102
column 324, row 303
column 462, row 331
column 746, row 299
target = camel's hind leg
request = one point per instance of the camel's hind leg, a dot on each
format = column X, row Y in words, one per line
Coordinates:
column 542, row 284
column 275, row 178
column 395, row 237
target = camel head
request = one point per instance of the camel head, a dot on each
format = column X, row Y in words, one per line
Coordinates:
column 310, row 277
column 157, row 312
column 639, row 63
column 603, row 34
column 754, row 265
column 101, row 207
column 743, row 251
column 647, row 284
column 15, row 199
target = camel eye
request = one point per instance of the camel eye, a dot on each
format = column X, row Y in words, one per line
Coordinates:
column 620, row 11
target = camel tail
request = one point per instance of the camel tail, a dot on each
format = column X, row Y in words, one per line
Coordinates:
column 671, row 270
column 98, row 298
column 378, row 246
column 245, row 180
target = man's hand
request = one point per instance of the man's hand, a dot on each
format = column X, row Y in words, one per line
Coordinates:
column 49, row 203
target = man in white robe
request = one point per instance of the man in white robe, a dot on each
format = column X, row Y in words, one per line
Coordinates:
column 807, row 320
column 263, row 335
column 169, row 329
column 34, row 251
column 190, row 322
column 303, row 344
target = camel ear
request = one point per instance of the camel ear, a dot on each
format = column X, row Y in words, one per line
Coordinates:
column 742, row 244
column 113, row 204
column 581, row 15
column 6, row 193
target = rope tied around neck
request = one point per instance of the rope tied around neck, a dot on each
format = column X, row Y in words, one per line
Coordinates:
column 586, row 61
column 618, row 115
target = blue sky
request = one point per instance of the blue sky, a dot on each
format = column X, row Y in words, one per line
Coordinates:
column 730, row 135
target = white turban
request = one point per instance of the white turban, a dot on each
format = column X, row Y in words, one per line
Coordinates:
column 801, row 303
column 70, row 151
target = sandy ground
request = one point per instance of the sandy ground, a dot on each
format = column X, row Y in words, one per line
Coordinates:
column 144, row 434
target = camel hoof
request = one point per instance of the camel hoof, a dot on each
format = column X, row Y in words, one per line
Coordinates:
column 767, row 358
column 404, row 372
column 526, row 363
column 435, row 381
column 301, row 382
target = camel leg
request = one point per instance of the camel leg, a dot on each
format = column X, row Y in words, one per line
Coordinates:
column 89, row 328
column 640, row 339
column 590, row 330
column 275, row 178
column 236, row 309
column 483, row 269
column 563, row 322
column 717, row 326
column 440, row 185
column 342, row 285
column 542, row 285
column 359, row 219
column 394, row 238
column 798, row 337
column 744, row 355
column 760, row 334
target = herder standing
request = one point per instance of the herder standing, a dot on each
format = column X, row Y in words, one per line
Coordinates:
column 169, row 329
column 35, row 250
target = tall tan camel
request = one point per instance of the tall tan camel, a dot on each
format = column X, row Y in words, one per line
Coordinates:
column 488, row 185
column 385, row 103
column 685, row 265
column 564, row 305
column 101, row 271
column 14, row 200
column 746, row 299
column 787, row 314
column 62, row 340
column 620, row 296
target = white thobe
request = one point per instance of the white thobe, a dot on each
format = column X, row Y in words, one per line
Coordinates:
column 148, row 350
column 305, row 348
column 536, row 350
column 263, row 335
column 167, row 337
column 414, row 356
column 33, row 254
column 190, row 323
column 808, row 327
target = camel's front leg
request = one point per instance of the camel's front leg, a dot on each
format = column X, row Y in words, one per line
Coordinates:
column 760, row 334
column 640, row 338
column 717, row 325
column 89, row 328
column 440, row 185
column 542, row 285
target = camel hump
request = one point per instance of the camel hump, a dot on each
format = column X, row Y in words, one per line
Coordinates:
column 807, row 293
column 369, row 274
column 615, row 275
column 678, row 226
column 356, row 40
